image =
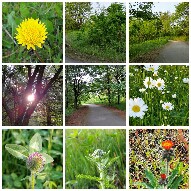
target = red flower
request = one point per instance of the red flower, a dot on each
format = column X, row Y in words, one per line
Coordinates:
column 167, row 145
column 163, row 176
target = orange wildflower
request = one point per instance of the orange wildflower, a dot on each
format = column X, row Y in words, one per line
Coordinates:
column 167, row 145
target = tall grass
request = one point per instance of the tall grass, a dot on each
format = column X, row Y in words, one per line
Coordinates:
column 79, row 41
column 81, row 143
column 136, row 50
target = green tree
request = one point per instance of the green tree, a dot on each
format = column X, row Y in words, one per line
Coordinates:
column 21, row 81
column 181, row 19
column 76, row 14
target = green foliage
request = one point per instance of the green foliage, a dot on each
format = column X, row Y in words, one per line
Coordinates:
column 15, row 173
column 152, row 179
column 50, row 14
column 79, row 143
column 76, row 14
column 90, row 83
column 148, row 30
column 107, row 44
column 17, row 151
column 136, row 50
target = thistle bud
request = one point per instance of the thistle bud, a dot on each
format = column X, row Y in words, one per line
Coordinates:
column 35, row 162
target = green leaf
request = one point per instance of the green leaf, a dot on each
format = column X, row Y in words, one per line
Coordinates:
column 150, row 176
column 176, row 182
column 49, row 26
column 88, row 177
column 48, row 158
column 24, row 10
column 55, row 175
column 17, row 151
column 173, row 175
column 144, row 185
column 35, row 143
column 111, row 162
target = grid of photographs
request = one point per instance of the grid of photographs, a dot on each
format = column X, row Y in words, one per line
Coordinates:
column 95, row 95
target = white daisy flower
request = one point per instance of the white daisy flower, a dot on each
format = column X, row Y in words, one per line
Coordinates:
column 160, row 84
column 142, row 90
column 167, row 106
column 137, row 107
column 149, row 82
column 174, row 96
column 151, row 68
column 155, row 74
column 175, row 78
column 185, row 80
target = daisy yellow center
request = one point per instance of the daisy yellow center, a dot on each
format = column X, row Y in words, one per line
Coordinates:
column 149, row 83
column 136, row 108
column 151, row 69
column 167, row 107
column 159, row 84
column 31, row 33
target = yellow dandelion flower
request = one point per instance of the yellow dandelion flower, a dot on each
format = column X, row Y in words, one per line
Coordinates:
column 31, row 33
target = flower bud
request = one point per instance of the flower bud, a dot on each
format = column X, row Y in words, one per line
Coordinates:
column 35, row 162
column 163, row 176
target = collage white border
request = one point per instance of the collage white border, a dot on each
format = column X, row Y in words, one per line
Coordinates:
column 127, row 127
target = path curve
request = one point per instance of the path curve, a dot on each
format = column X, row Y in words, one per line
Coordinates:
column 101, row 116
column 174, row 52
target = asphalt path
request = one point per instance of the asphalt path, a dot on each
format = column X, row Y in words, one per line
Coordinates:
column 71, row 60
column 101, row 116
column 174, row 52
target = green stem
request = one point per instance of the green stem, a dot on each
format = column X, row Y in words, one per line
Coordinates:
column 102, row 177
column 32, row 180
column 167, row 172
column 38, row 56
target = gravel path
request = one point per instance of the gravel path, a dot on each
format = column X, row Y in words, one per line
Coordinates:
column 174, row 52
column 101, row 116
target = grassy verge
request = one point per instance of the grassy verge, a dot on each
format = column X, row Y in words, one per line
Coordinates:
column 137, row 50
column 79, row 42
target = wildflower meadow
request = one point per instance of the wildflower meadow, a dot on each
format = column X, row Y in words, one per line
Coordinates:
column 32, row 32
column 159, row 95
column 159, row 159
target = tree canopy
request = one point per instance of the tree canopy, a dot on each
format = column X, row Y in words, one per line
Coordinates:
column 42, row 83
column 145, row 25
column 105, row 83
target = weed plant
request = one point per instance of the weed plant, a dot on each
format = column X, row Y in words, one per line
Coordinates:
column 16, row 175
column 81, row 143
column 150, row 166
column 48, row 13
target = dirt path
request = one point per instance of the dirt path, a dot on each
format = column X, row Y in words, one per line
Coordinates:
column 174, row 52
column 101, row 116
